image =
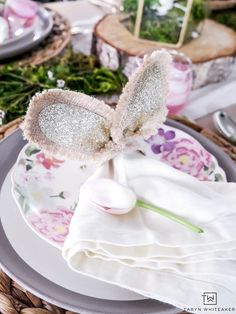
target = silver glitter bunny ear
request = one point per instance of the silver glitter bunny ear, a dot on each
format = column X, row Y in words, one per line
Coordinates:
column 70, row 125
column 142, row 105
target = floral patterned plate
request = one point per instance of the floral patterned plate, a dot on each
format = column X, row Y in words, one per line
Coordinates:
column 46, row 190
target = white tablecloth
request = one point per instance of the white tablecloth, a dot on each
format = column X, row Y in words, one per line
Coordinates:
column 212, row 97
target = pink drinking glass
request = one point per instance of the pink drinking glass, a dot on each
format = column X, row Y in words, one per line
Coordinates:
column 181, row 79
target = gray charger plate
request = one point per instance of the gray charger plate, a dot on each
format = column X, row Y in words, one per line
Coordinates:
column 43, row 26
column 18, row 270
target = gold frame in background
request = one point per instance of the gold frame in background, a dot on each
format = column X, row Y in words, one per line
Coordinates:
column 182, row 32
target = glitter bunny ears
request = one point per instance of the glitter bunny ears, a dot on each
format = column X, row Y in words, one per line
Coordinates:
column 72, row 125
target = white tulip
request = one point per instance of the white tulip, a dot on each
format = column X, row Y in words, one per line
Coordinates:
column 4, row 30
column 114, row 198
column 110, row 196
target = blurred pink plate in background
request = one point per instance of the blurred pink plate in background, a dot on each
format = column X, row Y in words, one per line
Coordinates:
column 30, row 36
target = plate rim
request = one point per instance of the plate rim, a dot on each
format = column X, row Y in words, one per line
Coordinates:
column 67, row 299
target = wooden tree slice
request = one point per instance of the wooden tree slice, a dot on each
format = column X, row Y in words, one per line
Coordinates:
column 214, row 42
column 212, row 53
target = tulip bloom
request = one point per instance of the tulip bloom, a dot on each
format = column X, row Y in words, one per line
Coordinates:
column 110, row 196
column 117, row 199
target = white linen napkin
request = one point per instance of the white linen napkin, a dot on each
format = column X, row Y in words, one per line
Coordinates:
column 149, row 254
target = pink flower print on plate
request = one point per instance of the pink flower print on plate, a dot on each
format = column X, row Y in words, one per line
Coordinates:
column 48, row 163
column 54, row 226
column 181, row 151
column 49, row 176
column 29, row 176
column 188, row 157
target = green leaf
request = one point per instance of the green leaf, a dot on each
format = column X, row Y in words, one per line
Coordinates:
column 28, row 167
column 206, row 168
column 218, row 177
column 35, row 151
column 26, row 207
column 61, row 195
column 21, row 201
column 73, row 208
column 22, row 162
column 31, row 150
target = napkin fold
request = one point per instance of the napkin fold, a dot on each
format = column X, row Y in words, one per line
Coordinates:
column 150, row 254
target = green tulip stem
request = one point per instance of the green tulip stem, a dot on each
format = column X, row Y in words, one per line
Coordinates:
column 170, row 216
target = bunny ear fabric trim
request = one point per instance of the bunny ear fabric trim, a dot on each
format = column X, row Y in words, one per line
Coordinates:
column 71, row 125
column 142, row 105
column 68, row 124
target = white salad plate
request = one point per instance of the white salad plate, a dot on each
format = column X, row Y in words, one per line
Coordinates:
column 46, row 190
column 46, row 259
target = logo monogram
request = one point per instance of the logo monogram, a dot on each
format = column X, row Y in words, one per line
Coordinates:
column 209, row 298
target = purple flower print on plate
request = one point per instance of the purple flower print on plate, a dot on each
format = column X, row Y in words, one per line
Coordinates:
column 163, row 141
column 181, row 151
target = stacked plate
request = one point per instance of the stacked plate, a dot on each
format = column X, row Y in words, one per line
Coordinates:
column 37, row 201
column 29, row 37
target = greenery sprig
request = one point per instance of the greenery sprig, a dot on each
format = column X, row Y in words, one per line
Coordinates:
column 73, row 71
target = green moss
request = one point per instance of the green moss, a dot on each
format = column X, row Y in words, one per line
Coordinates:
column 131, row 6
column 167, row 28
column 226, row 17
column 199, row 10
column 80, row 73
column 167, row 31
